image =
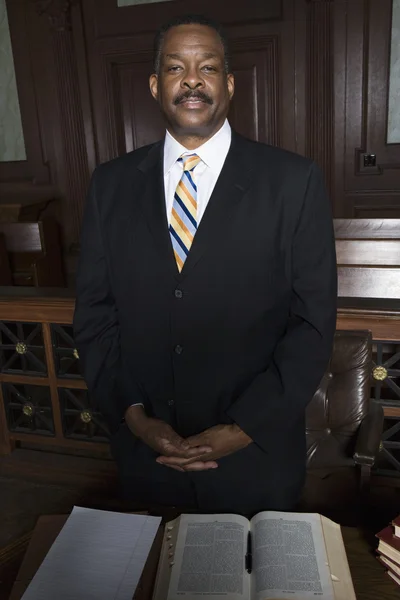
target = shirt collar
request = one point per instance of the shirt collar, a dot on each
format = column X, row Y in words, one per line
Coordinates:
column 212, row 153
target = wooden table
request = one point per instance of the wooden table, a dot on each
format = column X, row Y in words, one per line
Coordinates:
column 370, row 580
column 369, row 577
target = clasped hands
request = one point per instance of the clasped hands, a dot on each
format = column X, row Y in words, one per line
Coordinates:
column 196, row 453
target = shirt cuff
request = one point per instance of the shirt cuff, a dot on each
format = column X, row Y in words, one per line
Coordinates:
column 136, row 404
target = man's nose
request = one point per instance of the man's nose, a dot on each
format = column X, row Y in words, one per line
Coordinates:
column 193, row 79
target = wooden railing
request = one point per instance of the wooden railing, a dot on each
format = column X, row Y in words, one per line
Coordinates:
column 44, row 400
column 43, row 397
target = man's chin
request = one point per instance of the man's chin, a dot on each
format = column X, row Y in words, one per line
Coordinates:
column 193, row 122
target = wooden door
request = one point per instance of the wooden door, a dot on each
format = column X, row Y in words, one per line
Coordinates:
column 120, row 58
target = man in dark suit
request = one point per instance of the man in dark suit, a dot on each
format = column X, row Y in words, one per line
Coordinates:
column 206, row 296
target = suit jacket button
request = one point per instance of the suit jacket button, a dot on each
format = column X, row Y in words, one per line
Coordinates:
column 178, row 294
column 178, row 349
column 171, row 402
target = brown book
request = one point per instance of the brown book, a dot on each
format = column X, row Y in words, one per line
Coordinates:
column 396, row 525
column 380, row 557
column 389, row 544
column 389, row 565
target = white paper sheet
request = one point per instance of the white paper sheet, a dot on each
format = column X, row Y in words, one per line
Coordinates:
column 98, row 555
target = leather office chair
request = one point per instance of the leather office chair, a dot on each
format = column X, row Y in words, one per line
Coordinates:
column 344, row 429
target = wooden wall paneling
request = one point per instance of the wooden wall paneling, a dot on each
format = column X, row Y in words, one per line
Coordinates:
column 71, row 117
column 301, row 95
column 341, row 208
column 320, row 87
column 133, row 117
column 257, row 70
column 83, row 80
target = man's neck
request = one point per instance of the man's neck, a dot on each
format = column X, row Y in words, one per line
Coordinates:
column 192, row 142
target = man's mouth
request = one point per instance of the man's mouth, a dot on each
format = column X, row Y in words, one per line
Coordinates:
column 193, row 99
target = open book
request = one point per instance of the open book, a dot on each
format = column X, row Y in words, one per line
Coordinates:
column 275, row 556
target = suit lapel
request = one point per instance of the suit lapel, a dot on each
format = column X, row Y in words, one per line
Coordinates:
column 153, row 204
column 233, row 182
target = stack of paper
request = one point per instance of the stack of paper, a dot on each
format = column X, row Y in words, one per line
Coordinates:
column 98, row 555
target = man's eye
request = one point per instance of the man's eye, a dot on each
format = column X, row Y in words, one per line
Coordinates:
column 209, row 68
column 174, row 68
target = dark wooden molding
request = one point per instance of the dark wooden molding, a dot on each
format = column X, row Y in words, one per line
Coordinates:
column 109, row 19
column 57, row 11
column 320, row 103
column 269, row 113
column 71, row 114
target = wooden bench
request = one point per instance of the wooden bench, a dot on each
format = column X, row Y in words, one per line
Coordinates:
column 34, row 252
column 368, row 258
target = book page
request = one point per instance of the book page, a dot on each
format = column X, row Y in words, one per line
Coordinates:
column 209, row 558
column 289, row 557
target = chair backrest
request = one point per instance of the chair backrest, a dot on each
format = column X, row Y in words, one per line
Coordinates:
column 341, row 401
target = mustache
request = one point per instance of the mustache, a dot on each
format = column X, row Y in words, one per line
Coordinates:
column 193, row 96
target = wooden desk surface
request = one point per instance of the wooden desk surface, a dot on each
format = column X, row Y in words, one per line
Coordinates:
column 370, row 580
column 369, row 577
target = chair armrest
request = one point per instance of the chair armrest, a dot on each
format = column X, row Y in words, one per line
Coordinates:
column 369, row 436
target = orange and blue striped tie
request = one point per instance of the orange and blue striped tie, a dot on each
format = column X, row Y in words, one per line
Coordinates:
column 183, row 224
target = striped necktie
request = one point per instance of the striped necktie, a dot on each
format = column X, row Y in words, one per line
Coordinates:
column 183, row 224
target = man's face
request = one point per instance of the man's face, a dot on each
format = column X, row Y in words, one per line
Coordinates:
column 192, row 87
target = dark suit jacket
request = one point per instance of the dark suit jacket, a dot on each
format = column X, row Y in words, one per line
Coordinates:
column 243, row 334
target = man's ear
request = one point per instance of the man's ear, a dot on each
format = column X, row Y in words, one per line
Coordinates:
column 153, row 83
column 231, row 85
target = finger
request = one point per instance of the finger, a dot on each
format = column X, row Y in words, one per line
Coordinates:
column 177, row 451
column 200, row 466
column 177, row 461
column 198, row 451
column 178, row 442
column 197, row 440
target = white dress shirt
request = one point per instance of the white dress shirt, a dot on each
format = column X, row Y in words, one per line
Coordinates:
column 212, row 153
